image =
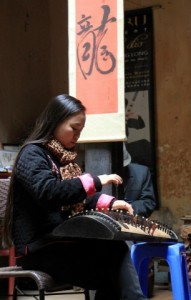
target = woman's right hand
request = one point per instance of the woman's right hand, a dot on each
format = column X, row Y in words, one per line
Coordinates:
column 111, row 178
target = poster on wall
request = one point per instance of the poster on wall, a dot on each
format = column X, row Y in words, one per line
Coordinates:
column 139, row 93
column 96, row 66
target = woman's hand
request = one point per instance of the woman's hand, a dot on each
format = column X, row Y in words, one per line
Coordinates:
column 121, row 204
column 111, row 178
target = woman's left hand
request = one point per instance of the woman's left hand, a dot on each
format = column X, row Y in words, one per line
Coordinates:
column 121, row 204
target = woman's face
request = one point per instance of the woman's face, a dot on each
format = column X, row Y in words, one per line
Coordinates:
column 68, row 132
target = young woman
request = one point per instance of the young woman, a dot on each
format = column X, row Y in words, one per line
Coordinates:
column 46, row 187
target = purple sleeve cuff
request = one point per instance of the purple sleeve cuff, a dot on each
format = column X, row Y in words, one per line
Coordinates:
column 88, row 184
column 104, row 201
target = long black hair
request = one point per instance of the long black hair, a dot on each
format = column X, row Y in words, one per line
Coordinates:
column 58, row 110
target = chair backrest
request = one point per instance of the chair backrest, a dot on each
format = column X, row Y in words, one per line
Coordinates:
column 4, row 187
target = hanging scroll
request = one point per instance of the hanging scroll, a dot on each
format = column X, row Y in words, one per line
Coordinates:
column 96, row 66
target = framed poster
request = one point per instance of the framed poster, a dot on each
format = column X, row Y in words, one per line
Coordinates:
column 139, row 89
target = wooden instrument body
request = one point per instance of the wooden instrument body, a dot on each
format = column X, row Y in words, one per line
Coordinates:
column 113, row 225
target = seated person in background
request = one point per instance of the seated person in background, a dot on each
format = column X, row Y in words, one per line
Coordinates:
column 138, row 187
column 46, row 187
column 138, row 190
column 139, row 193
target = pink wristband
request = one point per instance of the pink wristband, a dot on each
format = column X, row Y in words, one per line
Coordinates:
column 104, row 201
column 88, row 184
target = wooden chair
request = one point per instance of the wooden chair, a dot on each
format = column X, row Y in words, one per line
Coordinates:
column 44, row 282
column 9, row 253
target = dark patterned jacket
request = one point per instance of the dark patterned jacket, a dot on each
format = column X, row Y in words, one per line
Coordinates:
column 39, row 194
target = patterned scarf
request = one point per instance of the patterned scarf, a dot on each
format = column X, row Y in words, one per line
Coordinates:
column 68, row 170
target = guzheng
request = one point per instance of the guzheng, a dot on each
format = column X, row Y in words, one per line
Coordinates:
column 114, row 225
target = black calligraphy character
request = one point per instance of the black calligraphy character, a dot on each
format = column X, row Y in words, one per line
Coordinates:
column 86, row 53
column 84, row 24
column 107, row 63
column 90, row 51
column 86, row 47
column 104, row 58
column 105, row 19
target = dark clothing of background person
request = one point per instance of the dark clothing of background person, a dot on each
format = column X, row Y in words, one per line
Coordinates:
column 139, row 192
column 138, row 189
